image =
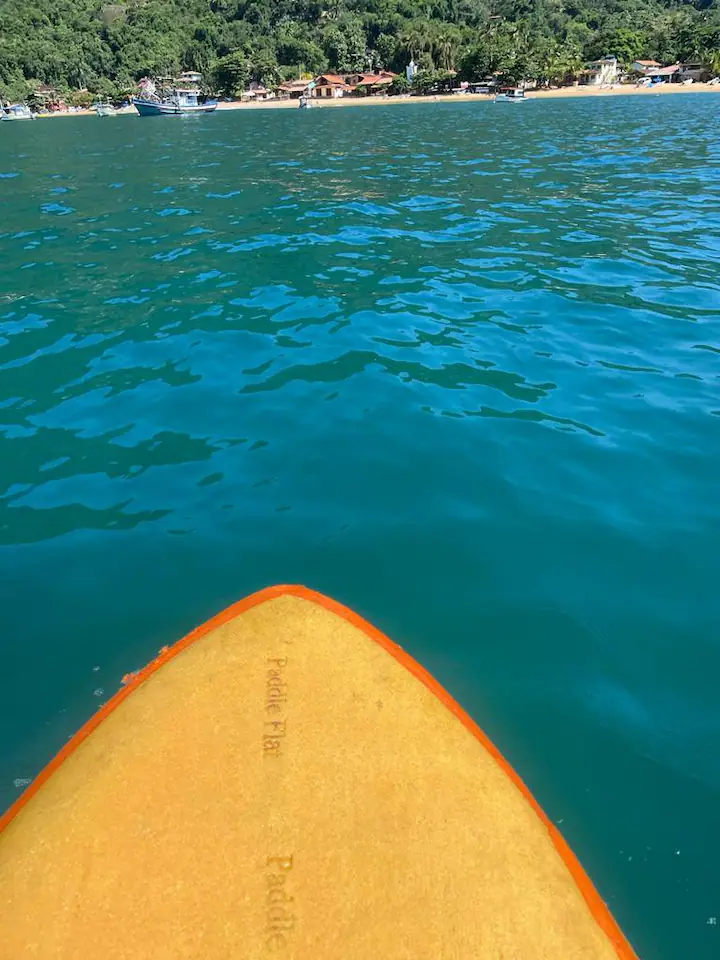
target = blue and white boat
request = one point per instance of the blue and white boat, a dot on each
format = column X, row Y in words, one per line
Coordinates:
column 172, row 97
column 17, row 111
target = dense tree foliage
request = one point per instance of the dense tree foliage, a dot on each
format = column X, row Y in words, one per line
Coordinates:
column 79, row 44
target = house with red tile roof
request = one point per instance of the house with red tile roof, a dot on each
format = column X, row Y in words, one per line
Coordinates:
column 380, row 79
column 329, row 85
column 669, row 74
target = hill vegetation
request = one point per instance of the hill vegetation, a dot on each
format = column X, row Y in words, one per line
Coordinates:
column 76, row 45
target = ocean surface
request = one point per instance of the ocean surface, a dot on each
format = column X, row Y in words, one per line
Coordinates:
column 456, row 365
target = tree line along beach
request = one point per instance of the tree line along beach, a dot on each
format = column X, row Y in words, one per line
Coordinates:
column 65, row 54
column 264, row 99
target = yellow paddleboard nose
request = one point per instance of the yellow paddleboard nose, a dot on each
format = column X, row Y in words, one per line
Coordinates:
column 287, row 782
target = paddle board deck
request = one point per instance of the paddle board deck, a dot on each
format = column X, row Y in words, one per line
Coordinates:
column 285, row 781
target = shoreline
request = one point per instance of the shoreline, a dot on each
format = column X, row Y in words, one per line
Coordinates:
column 557, row 94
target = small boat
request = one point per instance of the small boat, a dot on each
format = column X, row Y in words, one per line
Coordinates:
column 510, row 95
column 172, row 97
column 305, row 103
column 17, row 111
column 105, row 110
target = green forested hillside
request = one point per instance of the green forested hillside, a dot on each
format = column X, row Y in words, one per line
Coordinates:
column 75, row 44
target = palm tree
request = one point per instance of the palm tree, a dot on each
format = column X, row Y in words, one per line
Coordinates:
column 444, row 48
column 563, row 61
column 712, row 58
column 417, row 38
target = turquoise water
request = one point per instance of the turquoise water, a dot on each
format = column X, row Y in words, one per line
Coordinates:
column 455, row 365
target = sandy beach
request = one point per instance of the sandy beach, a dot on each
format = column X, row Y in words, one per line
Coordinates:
column 616, row 91
column 624, row 90
column 668, row 89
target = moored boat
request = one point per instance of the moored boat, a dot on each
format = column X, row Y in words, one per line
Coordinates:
column 510, row 95
column 16, row 111
column 172, row 97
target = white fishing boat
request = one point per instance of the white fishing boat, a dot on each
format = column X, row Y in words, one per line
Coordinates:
column 305, row 103
column 168, row 97
column 510, row 95
column 17, row 111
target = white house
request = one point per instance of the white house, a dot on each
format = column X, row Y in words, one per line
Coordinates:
column 601, row 73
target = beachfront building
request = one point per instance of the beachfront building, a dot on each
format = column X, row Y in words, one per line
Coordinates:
column 695, row 71
column 257, row 92
column 46, row 92
column 46, row 99
column 370, row 84
column 665, row 74
column 487, row 86
column 601, row 73
column 644, row 66
column 293, row 89
column 329, row 86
